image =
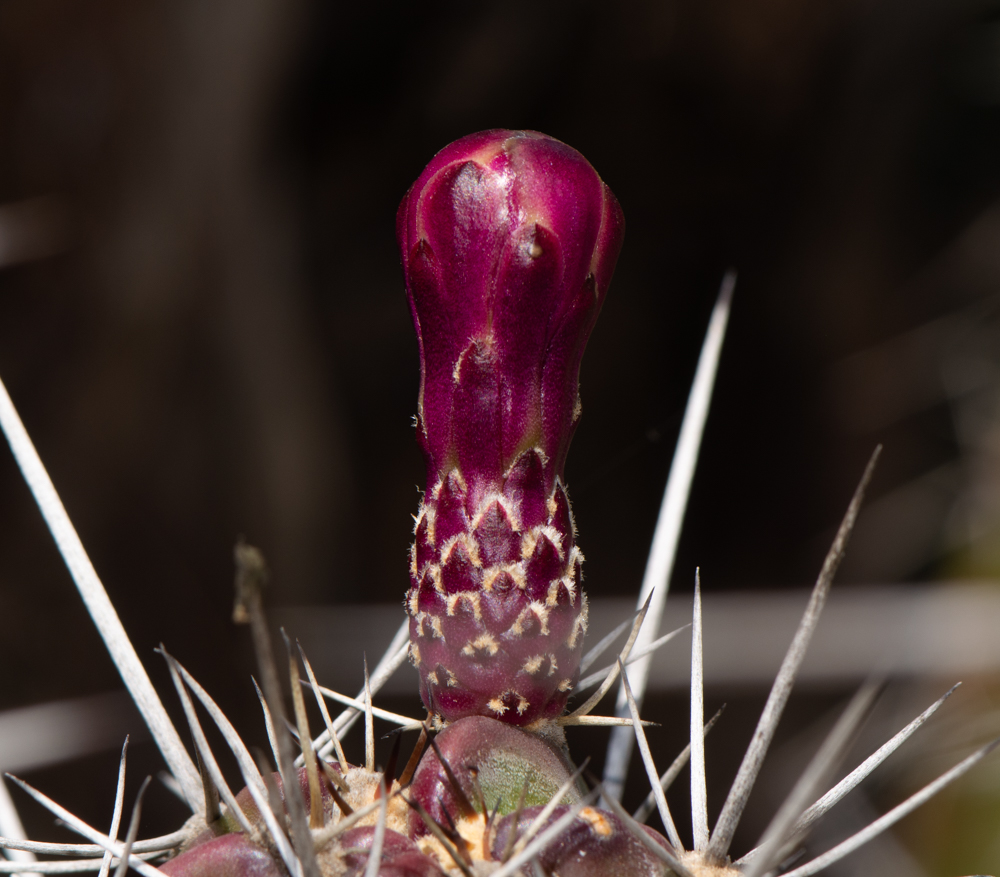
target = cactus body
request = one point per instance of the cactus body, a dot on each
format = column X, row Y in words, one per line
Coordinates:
column 497, row 757
column 508, row 242
column 400, row 856
column 232, row 855
column 596, row 844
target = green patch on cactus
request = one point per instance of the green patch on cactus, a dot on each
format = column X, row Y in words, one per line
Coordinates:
column 503, row 775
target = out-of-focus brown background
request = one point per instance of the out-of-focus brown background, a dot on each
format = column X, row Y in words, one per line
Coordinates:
column 203, row 325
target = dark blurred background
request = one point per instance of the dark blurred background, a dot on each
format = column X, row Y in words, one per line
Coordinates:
column 203, row 324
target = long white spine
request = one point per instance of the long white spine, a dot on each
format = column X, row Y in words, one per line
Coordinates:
column 98, row 605
column 660, row 565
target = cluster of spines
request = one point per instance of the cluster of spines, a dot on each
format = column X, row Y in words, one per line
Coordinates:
column 433, row 821
column 436, row 820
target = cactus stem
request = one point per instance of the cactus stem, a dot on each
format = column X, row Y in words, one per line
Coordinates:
column 324, row 712
column 116, row 815
column 743, row 784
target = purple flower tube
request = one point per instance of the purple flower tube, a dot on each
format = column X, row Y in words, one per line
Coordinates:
column 508, row 240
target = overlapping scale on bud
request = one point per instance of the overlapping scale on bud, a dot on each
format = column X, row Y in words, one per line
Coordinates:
column 508, row 240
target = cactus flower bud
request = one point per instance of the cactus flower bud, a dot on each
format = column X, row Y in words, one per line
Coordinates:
column 508, row 240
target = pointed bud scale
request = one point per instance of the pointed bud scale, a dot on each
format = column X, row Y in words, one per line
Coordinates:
column 508, row 241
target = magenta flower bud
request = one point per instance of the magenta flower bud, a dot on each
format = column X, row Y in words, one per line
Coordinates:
column 508, row 240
